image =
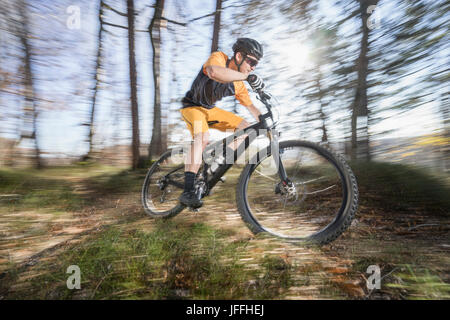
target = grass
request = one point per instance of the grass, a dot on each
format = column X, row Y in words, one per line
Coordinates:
column 180, row 259
column 416, row 283
column 174, row 261
column 28, row 189
column 56, row 187
column 124, row 181
column 389, row 194
column 275, row 278
column 402, row 187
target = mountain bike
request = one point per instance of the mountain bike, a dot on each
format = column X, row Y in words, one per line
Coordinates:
column 294, row 190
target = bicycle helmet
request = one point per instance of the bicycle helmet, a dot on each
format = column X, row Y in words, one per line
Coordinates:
column 248, row 46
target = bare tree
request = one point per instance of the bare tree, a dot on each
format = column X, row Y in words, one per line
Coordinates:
column 98, row 66
column 133, row 86
column 359, row 106
column 158, row 143
column 29, row 131
column 216, row 31
column 322, row 115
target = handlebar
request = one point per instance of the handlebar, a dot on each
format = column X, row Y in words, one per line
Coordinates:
column 265, row 99
column 263, row 117
column 262, row 95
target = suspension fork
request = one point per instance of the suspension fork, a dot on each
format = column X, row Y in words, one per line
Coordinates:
column 275, row 150
column 282, row 172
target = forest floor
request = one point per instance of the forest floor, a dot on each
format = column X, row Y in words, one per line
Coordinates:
column 91, row 216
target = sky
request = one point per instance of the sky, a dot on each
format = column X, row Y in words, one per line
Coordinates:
column 60, row 129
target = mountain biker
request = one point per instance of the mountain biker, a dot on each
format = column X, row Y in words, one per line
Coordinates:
column 219, row 77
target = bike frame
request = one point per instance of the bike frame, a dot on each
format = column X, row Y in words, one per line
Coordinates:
column 259, row 128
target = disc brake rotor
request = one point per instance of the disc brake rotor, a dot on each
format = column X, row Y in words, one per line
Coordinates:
column 290, row 192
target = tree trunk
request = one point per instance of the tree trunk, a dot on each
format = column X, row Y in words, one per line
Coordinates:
column 353, row 150
column 158, row 143
column 445, row 112
column 215, row 39
column 30, row 110
column 322, row 114
column 98, row 66
column 360, row 145
column 133, row 86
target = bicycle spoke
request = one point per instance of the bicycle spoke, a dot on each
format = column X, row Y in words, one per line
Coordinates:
column 323, row 190
column 309, row 181
column 265, row 176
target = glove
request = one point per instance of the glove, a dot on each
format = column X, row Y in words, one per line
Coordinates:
column 255, row 82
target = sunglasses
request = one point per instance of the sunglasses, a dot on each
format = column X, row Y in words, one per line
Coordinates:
column 251, row 62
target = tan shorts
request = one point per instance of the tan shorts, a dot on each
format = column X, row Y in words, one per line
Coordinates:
column 199, row 120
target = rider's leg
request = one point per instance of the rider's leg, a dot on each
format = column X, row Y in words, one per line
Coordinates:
column 195, row 118
column 235, row 144
column 227, row 121
column 197, row 125
column 192, row 164
column 195, row 151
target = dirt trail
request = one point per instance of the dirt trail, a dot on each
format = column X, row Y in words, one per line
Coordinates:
column 27, row 234
column 45, row 235
column 327, row 273
column 313, row 271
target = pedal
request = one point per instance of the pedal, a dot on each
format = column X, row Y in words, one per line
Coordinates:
column 195, row 209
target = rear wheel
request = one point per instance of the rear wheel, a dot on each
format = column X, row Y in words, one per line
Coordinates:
column 163, row 185
column 316, row 205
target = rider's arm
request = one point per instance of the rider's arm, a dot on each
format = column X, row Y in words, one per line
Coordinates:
column 241, row 94
column 224, row 75
column 254, row 111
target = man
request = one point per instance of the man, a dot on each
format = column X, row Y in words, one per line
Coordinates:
column 218, row 78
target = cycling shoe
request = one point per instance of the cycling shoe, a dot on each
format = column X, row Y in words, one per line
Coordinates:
column 189, row 199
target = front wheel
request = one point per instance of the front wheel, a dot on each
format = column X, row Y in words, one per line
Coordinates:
column 317, row 203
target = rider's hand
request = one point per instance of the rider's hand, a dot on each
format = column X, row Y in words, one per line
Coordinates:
column 255, row 82
column 260, row 118
column 245, row 74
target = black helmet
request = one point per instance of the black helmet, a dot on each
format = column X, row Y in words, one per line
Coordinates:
column 248, row 46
